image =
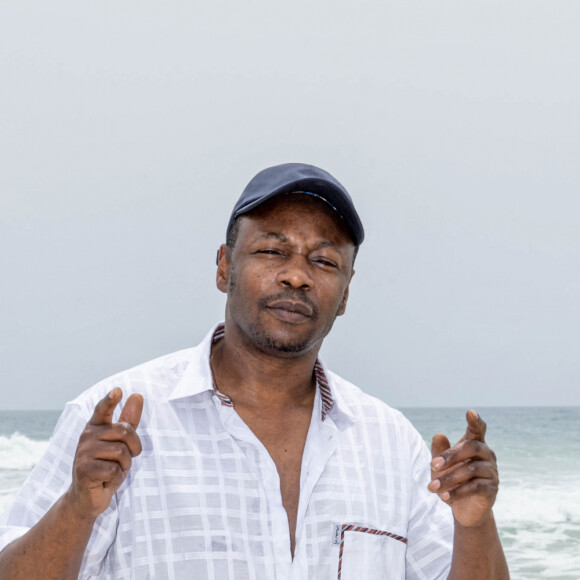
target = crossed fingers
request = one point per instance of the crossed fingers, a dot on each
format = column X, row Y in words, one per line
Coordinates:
column 104, row 453
column 467, row 471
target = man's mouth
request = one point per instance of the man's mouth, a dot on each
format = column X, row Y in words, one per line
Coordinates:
column 290, row 311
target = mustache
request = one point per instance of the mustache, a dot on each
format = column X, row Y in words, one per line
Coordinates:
column 292, row 296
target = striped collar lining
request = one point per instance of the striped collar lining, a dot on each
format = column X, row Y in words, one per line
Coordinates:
column 322, row 381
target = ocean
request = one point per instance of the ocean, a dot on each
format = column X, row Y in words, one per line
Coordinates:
column 538, row 450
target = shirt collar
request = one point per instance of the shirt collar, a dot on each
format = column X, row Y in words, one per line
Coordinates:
column 198, row 378
column 336, row 406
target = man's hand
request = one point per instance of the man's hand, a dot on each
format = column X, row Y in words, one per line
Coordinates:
column 465, row 475
column 104, row 454
column 54, row 547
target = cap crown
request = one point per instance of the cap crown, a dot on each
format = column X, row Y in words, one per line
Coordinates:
column 292, row 177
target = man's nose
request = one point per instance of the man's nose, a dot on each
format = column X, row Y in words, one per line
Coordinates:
column 295, row 273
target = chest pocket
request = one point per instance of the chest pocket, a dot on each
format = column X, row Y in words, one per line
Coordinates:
column 367, row 553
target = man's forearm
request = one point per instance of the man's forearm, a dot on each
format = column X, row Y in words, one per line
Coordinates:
column 52, row 549
column 477, row 553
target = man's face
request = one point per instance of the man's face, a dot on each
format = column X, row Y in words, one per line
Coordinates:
column 287, row 276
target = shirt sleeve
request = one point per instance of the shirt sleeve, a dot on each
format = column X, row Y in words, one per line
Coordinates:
column 430, row 530
column 47, row 482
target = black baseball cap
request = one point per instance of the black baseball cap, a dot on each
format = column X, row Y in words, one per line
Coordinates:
column 299, row 177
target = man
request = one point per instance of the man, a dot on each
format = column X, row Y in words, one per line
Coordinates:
column 245, row 457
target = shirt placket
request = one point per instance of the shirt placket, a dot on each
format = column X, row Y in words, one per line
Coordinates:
column 321, row 444
column 277, row 545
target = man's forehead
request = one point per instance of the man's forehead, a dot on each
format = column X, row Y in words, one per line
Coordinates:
column 284, row 239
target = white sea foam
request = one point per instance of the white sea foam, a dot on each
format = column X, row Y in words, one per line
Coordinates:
column 20, row 452
column 539, row 522
column 557, row 502
column 18, row 455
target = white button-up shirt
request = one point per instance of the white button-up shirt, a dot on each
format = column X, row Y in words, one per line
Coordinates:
column 203, row 499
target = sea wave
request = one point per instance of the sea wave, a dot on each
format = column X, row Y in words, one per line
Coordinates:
column 19, row 452
column 539, row 523
column 556, row 502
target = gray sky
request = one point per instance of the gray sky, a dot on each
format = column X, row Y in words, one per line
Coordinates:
column 128, row 130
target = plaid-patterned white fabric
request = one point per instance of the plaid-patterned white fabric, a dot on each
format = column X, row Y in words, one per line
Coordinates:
column 203, row 499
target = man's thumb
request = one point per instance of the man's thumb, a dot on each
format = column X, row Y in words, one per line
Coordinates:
column 439, row 443
column 132, row 410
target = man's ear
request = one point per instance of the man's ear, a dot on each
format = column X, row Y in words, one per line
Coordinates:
column 223, row 268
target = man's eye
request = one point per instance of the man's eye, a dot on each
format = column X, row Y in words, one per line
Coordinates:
column 325, row 262
column 269, row 251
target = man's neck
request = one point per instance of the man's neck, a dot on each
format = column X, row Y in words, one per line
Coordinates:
column 253, row 378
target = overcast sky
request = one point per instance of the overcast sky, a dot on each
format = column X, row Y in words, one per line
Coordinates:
column 128, row 130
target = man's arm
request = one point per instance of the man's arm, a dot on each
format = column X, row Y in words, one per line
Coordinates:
column 465, row 476
column 54, row 547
